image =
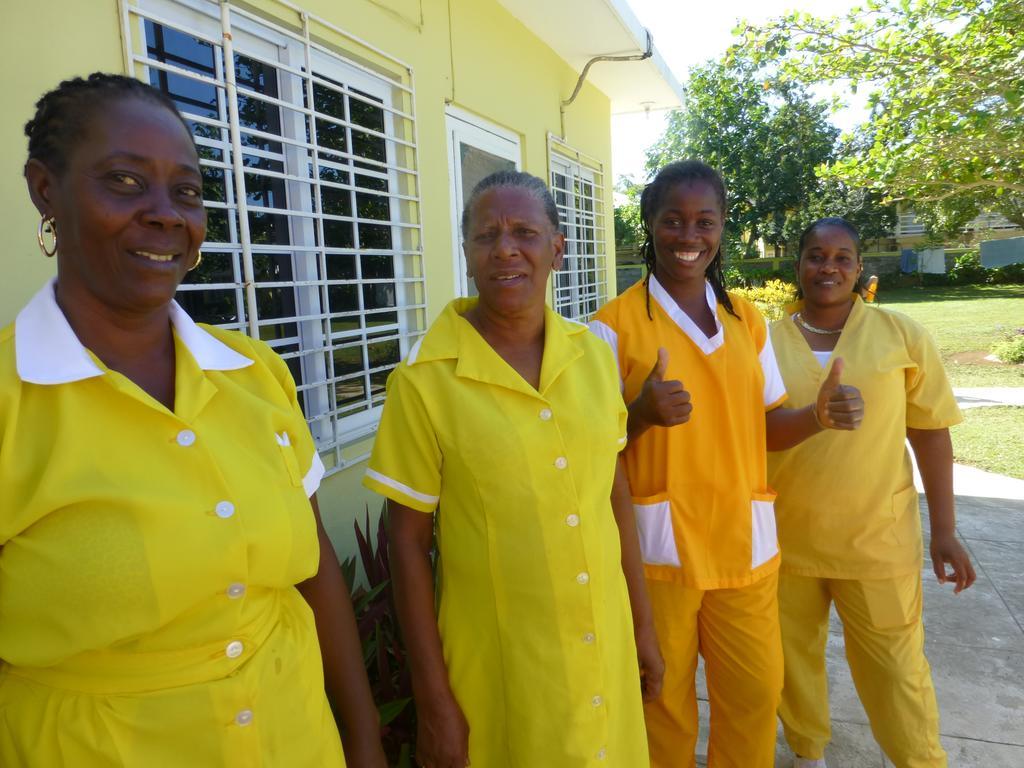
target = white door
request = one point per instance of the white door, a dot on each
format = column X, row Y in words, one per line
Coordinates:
column 476, row 149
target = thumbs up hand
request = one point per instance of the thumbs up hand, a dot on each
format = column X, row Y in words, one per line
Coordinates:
column 662, row 403
column 839, row 406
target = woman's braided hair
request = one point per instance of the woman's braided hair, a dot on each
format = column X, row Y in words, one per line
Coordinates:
column 62, row 114
column 681, row 172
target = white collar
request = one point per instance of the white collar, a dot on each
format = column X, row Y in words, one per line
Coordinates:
column 47, row 351
column 686, row 325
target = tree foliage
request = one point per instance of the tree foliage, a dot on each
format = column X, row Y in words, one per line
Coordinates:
column 765, row 138
column 866, row 209
column 946, row 94
column 627, row 215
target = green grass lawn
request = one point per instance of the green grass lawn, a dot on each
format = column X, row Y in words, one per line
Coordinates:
column 992, row 439
column 966, row 321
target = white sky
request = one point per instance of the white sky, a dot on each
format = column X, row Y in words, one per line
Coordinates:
column 687, row 33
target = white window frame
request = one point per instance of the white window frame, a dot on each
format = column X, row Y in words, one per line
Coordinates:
column 466, row 128
column 581, row 286
column 301, row 62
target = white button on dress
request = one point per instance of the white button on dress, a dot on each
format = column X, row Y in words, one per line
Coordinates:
column 244, row 717
column 234, row 649
column 561, row 462
column 597, row 701
column 186, row 438
column 545, row 414
column 224, row 509
column 235, row 590
column 602, row 753
column 583, row 578
column 589, row 638
column 572, row 520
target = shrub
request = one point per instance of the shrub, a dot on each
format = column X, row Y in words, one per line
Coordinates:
column 770, row 298
column 1011, row 273
column 967, row 269
column 752, row 273
column 1011, row 348
column 933, row 279
column 387, row 666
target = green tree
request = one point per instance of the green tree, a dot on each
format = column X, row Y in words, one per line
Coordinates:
column 765, row 137
column 628, row 231
column 946, row 97
column 865, row 208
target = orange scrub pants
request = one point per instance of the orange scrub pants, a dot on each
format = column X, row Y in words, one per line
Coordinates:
column 884, row 639
column 737, row 633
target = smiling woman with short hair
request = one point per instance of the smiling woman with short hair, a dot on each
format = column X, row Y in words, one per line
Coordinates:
column 505, row 421
column 160, row 546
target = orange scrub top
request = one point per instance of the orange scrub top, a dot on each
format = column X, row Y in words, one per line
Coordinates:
column 700, row 490
column 148, row 613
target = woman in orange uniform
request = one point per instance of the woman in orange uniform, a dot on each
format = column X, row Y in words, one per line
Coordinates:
column 703, row 506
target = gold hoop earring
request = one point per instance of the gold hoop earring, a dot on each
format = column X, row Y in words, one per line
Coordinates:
column 199, row 260
column 47, row 225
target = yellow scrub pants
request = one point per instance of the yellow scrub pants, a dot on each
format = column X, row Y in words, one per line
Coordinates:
column 737, row 633
column 885, row 649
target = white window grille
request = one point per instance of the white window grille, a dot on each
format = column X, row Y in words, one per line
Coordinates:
column 311, row 189
column 577, row 184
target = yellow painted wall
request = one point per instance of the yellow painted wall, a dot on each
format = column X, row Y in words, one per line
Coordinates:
column 469, row 53
column 41, row 43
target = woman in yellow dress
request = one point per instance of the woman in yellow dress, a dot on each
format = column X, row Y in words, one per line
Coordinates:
column 848, row 518
column 504, row 422
column 164, row 575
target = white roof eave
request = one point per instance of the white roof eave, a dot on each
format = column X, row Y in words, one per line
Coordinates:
column 603, row 28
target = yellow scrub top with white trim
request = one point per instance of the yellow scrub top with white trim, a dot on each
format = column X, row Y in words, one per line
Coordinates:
column 847, row 507
column 148, row 610
column 533, row 610
column 700, row 490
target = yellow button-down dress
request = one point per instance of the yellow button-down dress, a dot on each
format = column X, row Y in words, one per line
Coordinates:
column 148, row 613
column 533, row 609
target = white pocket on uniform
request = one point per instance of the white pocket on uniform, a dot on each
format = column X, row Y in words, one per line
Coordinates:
column 763, row 536
column 657, row 536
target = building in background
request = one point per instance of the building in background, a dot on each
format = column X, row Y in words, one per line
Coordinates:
column 338, row 142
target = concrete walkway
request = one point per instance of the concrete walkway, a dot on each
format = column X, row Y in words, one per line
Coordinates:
column 974, row 641
column 975, row 397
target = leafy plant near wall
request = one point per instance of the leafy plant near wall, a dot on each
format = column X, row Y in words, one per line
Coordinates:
column 383, row 651
column 967, row 269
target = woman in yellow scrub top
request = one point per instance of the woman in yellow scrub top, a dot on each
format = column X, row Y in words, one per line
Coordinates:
column 701, row 496
column 503, row 426
column 164, row 575
column 848, row 518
